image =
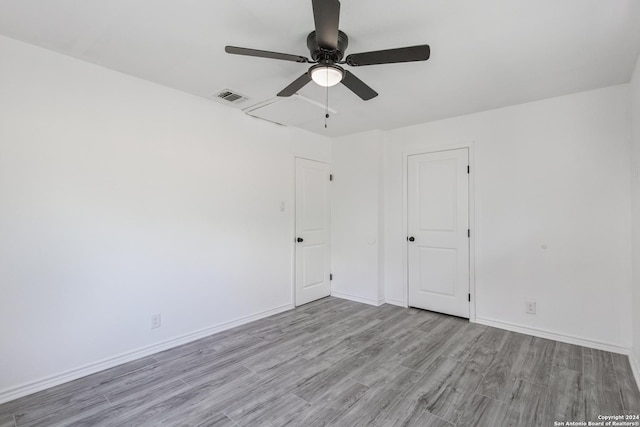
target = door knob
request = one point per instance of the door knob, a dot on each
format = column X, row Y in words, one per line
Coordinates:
column 411, row 239
column 300, row 239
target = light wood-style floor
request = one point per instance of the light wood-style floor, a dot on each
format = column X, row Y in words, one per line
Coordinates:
column 340, row 363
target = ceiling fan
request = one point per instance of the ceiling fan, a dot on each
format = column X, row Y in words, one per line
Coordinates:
column 327, row 45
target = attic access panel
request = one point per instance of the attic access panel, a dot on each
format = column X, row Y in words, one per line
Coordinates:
column 292, row 111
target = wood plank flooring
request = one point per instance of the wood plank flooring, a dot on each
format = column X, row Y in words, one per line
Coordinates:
column 335, row 362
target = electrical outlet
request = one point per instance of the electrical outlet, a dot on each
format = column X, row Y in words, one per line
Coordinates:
column 530, row 307
column 155, row 321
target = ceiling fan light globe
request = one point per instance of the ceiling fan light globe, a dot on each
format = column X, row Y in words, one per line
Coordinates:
column 327, row 76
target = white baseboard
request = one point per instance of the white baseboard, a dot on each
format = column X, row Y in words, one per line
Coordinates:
column 397, row 302
column 22, row 390
column 369, row 301
column 541, row 333
column 635, row 367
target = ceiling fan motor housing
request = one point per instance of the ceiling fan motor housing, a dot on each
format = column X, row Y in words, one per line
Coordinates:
column 324, row 55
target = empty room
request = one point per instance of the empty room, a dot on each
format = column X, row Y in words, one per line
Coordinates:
column 319, row 213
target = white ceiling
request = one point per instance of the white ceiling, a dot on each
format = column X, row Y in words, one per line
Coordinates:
column 484, row 53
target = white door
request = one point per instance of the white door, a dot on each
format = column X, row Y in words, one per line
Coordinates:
column 438, row 227
column 312, row 231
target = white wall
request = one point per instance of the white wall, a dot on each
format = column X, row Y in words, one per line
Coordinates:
column 553, row 173
column 120, row 199
column 356, row 218
column 635, row 212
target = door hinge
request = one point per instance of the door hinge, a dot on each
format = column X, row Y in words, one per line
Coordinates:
column 468, row 169
column 468, row 232
column 469, row 297
column 330, row 276
column 330, row 177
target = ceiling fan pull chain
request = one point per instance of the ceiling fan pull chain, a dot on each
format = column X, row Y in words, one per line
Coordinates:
column 326, row 115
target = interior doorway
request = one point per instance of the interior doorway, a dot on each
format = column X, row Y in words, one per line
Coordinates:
column 438, row 249
column 312, row 231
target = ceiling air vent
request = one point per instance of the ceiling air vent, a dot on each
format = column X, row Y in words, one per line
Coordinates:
column 230, row 96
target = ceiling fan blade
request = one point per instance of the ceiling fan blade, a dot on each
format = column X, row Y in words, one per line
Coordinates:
column 326, row 14
column 264, row 54
column 297, row 84
column 358, row 87
column 390, row 56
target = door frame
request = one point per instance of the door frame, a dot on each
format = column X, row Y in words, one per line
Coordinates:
column 292, row 209
column 405, row 216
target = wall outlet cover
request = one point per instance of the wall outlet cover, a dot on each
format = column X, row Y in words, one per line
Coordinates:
column 156, row 320
column 530, row 307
